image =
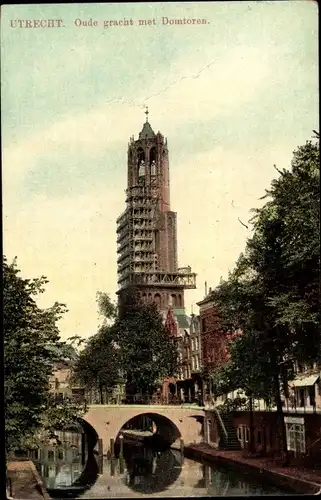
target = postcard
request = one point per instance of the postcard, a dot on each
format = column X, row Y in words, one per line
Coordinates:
column 137, row 138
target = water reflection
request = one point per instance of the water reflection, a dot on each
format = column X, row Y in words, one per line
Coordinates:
column 71, row 470
column 65, row 464
column 148, row 471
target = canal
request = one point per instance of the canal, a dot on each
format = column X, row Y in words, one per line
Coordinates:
column 70, row 471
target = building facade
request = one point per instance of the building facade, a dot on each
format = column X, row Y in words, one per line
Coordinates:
column 213, row 341
column 59, row 380
column 302, row 419
column 303, row 433
column 305, row 389
column 301, row 402
column 61, row 384
column 196, row 355
column 186, row 386
column 146, row 230
column 177, row 389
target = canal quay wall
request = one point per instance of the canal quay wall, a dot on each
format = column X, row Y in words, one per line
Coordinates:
column 294, row 479
column 25, row 482
column 266, row 439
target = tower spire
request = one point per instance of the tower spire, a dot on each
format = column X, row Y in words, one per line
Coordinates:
column 146, row 113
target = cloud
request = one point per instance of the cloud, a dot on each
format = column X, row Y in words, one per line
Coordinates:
column 72, row 240
column 233, row 100
column 107, row 127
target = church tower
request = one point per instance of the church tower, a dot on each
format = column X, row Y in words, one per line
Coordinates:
column 146, row 230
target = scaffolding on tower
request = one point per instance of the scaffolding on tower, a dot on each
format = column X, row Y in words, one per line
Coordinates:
column 140, row 228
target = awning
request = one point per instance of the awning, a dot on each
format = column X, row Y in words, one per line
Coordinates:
column 305, row 381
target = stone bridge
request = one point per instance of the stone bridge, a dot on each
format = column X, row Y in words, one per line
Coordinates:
column 172, row 422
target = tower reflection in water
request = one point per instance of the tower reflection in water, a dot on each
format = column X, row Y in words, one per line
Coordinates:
column 149, row 471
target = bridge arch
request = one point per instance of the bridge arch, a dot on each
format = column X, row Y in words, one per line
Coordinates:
column 171, row 421
column 90, row 432
column 165, row 427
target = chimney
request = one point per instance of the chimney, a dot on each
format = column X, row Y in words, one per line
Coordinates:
column 205, row 288
column 210, row 290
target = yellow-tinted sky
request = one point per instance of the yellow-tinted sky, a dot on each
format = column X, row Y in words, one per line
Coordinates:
column 234, row 96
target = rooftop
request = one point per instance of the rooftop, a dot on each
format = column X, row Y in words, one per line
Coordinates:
column 147, row 132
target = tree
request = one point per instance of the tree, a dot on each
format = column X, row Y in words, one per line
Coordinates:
column 31, row 346
column 241, row 301
column 98, row 366
column 273, row 293
column 132, row 346
column 290, row 220
column 147, row 353
column 106, row 308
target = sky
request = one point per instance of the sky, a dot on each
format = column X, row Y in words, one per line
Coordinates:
column 234, row 95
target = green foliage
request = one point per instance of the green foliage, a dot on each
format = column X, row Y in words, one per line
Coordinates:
column 285, row 250
column 106, row 308
column 147, row 354
column 222, row 380
column 135, row 349
column 97, row 366
column 31, row 346
column 238, row 403
column 272, row 295
column 60, row 415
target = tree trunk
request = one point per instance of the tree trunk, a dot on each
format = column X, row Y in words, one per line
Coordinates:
column 101, row 396
column 251, row 446
column 210, row 389
column 280, row 420
column 264, row 441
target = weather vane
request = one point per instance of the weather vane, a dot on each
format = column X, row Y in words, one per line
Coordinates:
column 146, row 113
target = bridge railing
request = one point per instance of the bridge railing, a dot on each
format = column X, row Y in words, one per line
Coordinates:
column 140, row 399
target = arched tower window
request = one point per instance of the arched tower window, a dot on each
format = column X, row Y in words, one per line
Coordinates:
column 179, row 300
column 152, row 160
column 174, row 301
column 141, row 162
column 152, row 155
column 140, row 156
